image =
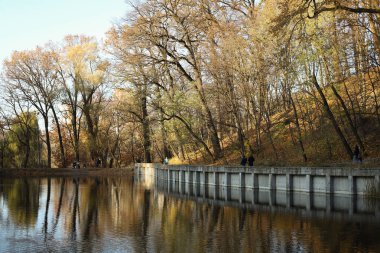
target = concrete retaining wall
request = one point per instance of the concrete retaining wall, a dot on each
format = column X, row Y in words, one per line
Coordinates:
column 298, row 179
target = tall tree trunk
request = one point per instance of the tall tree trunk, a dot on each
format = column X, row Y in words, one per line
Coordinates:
column 210, row 122
column 375, row 34
column 76, row 147
column 104, row 157
column 332, row 118
column 76, row 133
column 377, row 105
column 27, row 149
column 237, row 116
column 165, row 145
column 350, row 122
column 61, row 147
column 48, row 144
column 298, row 128
column 269, row 133
column 94, row 149
column 113, row 151
column 146, row 129
column 213, row 134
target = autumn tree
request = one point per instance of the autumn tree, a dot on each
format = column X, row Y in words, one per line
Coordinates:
column 32, row 73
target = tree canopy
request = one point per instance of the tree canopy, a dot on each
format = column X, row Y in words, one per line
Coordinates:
column 205, row 81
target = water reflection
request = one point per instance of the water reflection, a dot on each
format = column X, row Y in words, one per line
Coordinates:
column 22, row 199
column 353, row 206
column 118, row 215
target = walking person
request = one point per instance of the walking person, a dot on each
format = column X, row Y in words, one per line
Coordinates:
column 357, row 158
column 243, row 161
column 251, row 159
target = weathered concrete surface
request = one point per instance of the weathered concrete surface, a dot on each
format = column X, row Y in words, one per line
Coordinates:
column 299, row 179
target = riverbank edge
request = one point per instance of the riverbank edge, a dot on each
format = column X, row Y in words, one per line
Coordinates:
column 66, row 172
column 88, row 172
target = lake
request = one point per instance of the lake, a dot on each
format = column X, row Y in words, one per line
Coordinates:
column 119, row 214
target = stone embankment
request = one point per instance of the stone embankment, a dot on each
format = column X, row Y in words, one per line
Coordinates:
column 299, row 179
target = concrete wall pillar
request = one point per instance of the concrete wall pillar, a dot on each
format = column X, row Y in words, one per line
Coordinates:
column 227, row 179
column 242, row 179
column 227, row 192
column 216, row 179
column 205, row 184
column 168, row 179
column 181, row 187
column 377, row 180
column 205, row 181
column 329, row 184
column 351, row 185
column 289, row 182
column 308, row 184
column 255, row 184
column 272, row 181
column 188, row 176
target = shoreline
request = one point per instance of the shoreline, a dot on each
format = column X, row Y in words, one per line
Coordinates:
column 107, row 172
column 66, row 172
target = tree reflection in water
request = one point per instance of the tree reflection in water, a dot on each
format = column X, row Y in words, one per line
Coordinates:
column 115, row 214
column 22, row 199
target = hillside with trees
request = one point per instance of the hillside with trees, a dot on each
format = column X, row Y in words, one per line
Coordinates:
column 201, row 81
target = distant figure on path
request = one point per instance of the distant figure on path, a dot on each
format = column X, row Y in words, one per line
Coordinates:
column 251, row 159
column 357, row 158
column 243, row 161
column 76, row 165
column 97, row 162
column 166, row 160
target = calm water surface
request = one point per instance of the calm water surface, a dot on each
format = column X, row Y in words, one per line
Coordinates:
column 120, row 215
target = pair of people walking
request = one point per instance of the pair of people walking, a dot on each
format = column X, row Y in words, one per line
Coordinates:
column 250, row 160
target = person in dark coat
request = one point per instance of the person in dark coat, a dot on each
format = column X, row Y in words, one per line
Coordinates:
column 98, row 161
column 357, row 157
column 243, row 161
column 251, row 159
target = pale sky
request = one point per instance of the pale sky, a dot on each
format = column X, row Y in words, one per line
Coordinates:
column 24, row 24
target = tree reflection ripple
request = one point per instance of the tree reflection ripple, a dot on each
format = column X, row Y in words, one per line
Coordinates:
column 119, row 215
